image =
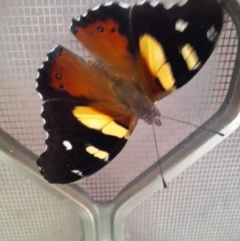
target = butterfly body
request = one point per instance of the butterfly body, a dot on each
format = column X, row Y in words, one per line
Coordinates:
column 128, row 93
column 142, row 54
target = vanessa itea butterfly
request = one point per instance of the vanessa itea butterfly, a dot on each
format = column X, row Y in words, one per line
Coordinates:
column 143, row 53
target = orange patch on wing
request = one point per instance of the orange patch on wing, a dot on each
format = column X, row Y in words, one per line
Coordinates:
column 71, row 74
column 102, row 38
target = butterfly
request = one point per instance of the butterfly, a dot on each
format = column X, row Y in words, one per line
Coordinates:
column 141, row 53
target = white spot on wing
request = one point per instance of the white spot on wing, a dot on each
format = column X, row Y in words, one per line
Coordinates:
column 95, row 8
column 54, row 48
column 154, row 3
column 46, row 147
column 124, row 5
column 212, row 34
column 181, row 25
column 182, row 3
column 40, row 96
column 39, row 168
column 141, row 2
column 79, row 173
column 83, row 15
column 75, row 171
column 108, row 3
column 68, row 145
column 42, row 109
column 46, row 59
column 44, row 121
column 168, row 5
column 38, row 74
column 47, row 135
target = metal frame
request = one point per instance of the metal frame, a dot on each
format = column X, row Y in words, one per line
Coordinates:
column 105, row 222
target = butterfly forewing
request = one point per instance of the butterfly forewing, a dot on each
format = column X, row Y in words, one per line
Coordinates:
column 175, row 41
column 105, row 32
column 85, row 124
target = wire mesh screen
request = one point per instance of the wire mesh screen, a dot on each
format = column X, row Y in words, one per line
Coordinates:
column 195, row 103
column 203, row 203
column 29, row 213
column 30, row 29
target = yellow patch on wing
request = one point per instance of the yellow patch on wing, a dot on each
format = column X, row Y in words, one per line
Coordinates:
column 113, row 127
column 97, row 153
column 190, row 56
column 153, row 53
column 94, row 119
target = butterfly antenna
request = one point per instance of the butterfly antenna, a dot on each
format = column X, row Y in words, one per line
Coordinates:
column 160, row 167
column 191, row 124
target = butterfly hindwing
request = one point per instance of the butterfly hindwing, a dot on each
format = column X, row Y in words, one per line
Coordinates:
column 73, row 149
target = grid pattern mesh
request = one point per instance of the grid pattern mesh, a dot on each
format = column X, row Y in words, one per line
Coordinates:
column 205, row 94
column 203, row 203
column 30, row 29
column 28, row 213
